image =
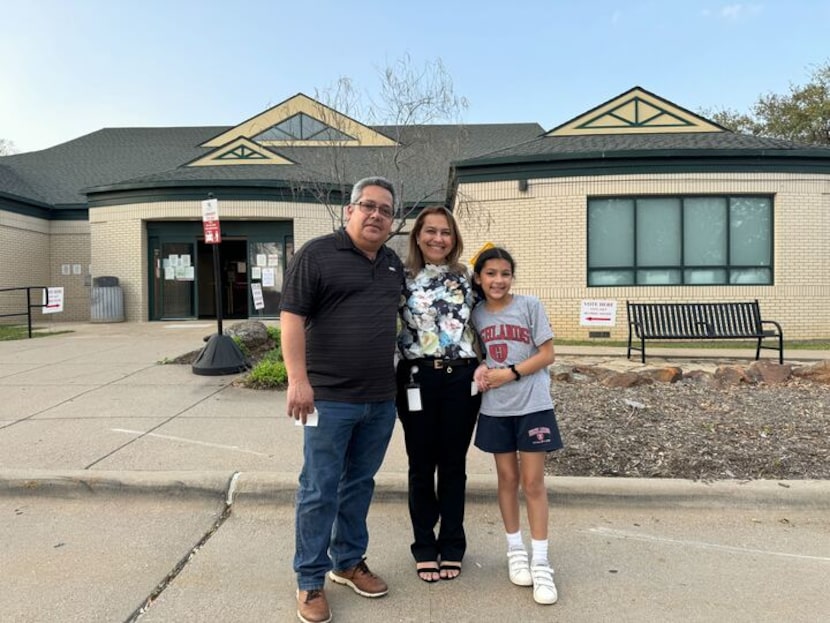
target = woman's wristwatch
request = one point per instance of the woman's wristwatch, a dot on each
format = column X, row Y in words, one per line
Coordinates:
column 515, row 371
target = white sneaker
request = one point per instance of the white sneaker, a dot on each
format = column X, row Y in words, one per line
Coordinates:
column 544, row 590
column 518, row 567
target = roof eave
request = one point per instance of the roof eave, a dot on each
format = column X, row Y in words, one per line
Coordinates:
column 639, row 154
column 156, row 184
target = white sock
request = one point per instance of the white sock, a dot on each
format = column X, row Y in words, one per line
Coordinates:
column 540, row 552
column 514, row 540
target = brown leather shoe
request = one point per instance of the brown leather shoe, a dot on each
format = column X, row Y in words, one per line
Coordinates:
column 362, row 581
column 312, row 606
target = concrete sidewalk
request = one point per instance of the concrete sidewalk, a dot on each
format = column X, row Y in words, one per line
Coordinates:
column 122, row 478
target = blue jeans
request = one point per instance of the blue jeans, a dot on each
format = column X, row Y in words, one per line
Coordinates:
column 341, row 456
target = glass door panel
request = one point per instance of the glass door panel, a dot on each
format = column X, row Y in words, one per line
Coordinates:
column 267, row 262
column 177, row 280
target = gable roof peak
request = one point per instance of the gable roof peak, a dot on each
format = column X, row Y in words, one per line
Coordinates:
column 344, row 130
column 636, row 111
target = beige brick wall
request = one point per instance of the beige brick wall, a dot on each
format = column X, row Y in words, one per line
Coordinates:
column 24, row 261
column 119, row 236
column 545, row 229
column 69, row 250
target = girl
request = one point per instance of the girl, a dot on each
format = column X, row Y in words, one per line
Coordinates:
column 517, row 422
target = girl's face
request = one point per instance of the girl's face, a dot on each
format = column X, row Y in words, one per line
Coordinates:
column 435, row 240
column 495, row 279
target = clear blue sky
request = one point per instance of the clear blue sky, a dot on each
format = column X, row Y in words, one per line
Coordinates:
column 69, row 67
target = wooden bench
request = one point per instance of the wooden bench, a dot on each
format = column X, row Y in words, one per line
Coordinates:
column 701, row 321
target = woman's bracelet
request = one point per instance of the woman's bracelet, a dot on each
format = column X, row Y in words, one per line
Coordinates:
column 515, row 371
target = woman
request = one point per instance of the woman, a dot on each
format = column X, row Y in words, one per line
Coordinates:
column 437, row 402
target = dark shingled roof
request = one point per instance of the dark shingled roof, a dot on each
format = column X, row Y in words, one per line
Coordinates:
column 117, row 158
column 104, row 157
column 14, row 186
column 603, row 145
column 114, row 159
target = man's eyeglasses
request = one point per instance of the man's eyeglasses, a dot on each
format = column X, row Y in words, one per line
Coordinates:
column 368, row 207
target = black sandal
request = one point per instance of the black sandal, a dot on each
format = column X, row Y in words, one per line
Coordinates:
column 430, row 570
column 450, row 566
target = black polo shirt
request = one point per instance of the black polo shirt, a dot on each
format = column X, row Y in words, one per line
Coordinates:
column 351, row 305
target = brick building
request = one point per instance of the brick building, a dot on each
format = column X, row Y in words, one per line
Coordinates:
column 635, row 199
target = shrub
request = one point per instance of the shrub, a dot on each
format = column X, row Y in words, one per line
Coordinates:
column 238, row 341
column 274, row 334
column 268, row 373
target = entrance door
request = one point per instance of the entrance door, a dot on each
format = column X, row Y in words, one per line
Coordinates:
column 174, row 283
column 181, row 272
column 233, row 273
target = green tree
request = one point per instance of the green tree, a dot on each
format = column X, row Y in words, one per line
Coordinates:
column 802, row 115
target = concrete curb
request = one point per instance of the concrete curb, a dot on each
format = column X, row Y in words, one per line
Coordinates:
column 76, row 483
column 280, row 487
column 689, row 493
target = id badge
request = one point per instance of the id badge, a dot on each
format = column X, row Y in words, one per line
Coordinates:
column 413, row 397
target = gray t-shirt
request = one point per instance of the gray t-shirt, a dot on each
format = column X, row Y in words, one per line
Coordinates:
column 509, row 337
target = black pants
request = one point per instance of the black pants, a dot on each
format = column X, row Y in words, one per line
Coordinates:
column 437, row 439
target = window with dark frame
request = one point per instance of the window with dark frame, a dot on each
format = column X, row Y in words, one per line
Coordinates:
column 680, row 240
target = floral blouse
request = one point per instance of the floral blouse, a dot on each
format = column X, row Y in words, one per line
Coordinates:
column 436, row 305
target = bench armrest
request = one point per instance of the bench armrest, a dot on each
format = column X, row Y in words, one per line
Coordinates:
column 775, row 324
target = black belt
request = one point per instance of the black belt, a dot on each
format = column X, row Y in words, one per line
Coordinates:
column 441, row 364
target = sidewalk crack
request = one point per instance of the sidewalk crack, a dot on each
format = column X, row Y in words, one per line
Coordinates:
column 185, row 560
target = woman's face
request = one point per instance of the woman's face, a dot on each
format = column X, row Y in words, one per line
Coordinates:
column 435, row 240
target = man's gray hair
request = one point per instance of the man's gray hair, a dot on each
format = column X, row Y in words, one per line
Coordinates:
column 357, row 189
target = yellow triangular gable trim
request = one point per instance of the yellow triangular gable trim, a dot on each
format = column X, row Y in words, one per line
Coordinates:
column 636, row 112
column 239, row 151
column 364, row 135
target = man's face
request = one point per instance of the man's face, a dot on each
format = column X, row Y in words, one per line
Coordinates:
column 368, row 222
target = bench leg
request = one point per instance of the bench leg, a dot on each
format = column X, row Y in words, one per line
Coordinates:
column 643, row 350
column 758, row 349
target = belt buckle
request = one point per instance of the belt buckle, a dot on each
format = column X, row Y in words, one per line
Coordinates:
column 442, row 364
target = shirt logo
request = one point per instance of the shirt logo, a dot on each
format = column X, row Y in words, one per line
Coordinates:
column 498, row 352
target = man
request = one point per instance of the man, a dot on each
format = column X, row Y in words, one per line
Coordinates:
column 338, row 322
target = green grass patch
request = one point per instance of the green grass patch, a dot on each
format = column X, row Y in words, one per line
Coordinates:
column 21, row 332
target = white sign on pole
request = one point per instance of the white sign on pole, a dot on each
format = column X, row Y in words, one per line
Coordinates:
column 52, row 300
column 256, row 292
column 210, row 221
column 598, row 314
column 210, row 210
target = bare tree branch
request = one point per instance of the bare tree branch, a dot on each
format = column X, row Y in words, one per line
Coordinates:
column 7, row 148
column 410, row 104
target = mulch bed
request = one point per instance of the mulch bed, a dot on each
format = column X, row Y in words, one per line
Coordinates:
column 693, row 429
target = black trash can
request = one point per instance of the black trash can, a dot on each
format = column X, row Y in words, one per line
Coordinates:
column 107, row 300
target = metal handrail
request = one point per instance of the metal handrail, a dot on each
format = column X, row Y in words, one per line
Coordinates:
column 29, row 306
